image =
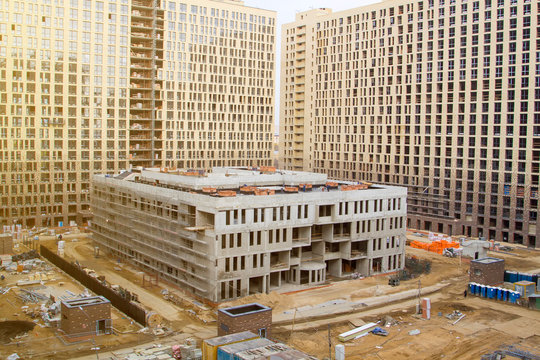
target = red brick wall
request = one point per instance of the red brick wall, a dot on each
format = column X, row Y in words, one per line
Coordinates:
column 78, row 323
column 250, row 322
column 491, row 274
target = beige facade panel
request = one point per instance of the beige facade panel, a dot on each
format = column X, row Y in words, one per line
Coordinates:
column 440, row 96
column 91, row 87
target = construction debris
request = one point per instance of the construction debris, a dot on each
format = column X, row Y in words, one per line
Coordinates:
column 388, row 321
column 28, row 296
column 454, row 315
column 4, row 290
column 32, row 254
column 461, row 317
column 414, row 332
column 358, row 332
column 379, row 331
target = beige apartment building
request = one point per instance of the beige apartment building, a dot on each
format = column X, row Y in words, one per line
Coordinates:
column 441, row 96
column 90, row 86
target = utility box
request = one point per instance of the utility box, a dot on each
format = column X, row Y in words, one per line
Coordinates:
column 86, row 317
column 252, row 317
column 525, row 288
column 487, row 271
column 210, row 347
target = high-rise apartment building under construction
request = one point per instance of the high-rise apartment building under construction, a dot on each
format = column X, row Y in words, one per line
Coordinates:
column 442, row 96
column 91, row 86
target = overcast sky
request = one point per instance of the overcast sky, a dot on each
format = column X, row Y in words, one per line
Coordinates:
column 286, row 11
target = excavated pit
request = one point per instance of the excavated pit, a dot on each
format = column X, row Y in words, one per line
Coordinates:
column 11, row 329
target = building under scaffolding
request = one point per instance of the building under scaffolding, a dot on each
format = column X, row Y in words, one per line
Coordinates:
column 235, row 232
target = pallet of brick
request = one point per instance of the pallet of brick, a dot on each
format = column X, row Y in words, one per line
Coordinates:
column 210, row 346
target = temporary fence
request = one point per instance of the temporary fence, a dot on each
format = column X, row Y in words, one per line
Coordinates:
column 129, row 308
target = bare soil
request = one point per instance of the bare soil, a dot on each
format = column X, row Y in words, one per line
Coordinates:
column 487, row 326
column 11, row 329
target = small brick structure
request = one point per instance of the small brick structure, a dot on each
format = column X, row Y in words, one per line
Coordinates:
column 86, row 317
column 252, row 317
column 487, row 271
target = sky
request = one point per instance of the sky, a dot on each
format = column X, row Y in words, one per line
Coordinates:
column 286, row 11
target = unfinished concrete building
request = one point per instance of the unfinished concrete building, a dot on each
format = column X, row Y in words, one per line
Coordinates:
column 235, row 232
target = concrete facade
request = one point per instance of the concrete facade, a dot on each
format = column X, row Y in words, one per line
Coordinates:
column 475, row 249
column 221, row 248
column 253, row 317
column 86, row 317
column 441, row 96
column 96, row 86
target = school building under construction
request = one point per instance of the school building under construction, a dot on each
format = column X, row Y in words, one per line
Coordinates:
column 237, row 231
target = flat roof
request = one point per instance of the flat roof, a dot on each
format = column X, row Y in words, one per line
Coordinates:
column 245, row 345
column 246, row 309
column 231, row 338
column 488, row 260
column 243, row 181
column 89, row 301
column 525, row 283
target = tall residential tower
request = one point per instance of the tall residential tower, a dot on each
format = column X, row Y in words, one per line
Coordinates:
column 91, row 86
column 442, row 96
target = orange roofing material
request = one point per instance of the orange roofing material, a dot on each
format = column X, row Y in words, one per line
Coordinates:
column 290, row 189
column 247, row 189
column 226, row 193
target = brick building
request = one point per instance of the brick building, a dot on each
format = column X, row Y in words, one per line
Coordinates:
column 487, row 271
column 252, row 317
column 86, row 317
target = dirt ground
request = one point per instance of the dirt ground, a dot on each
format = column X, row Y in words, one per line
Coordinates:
column 44, row 342
column 486, row 326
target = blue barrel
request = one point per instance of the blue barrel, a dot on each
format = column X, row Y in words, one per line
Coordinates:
column 483, row 290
